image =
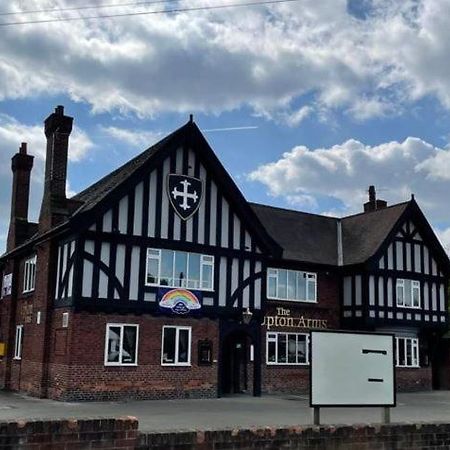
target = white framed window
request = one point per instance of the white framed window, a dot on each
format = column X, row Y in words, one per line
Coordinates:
column 407, row 352
column 408, row 293
column 293, row 285
column 65, row 320
column 18, row 342
column 121, row 344
column 287, row 348
column 173, row 268
column 29, row 274
column 176, row 346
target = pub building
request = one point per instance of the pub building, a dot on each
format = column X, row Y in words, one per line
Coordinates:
column 161, row 281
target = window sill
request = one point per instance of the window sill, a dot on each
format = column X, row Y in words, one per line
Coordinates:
column 409, row 307
column 120, row 365
column 313, row 302
column 17, row 358
column 179, row 287
column 407, row 367
column 176, row 364
column 287, row 364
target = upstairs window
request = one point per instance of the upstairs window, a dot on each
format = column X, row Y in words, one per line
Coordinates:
column 121, row 345
column 294, row 285
column 407, row 352
column 29, row 274
column 408, row 293
column 179, row 269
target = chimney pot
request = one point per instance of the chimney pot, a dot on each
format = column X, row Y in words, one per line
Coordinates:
column 57, row 129
column 374, row 204
column 21, row 165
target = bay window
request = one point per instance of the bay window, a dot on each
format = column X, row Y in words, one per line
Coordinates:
column 179, row 269
column 294, row 285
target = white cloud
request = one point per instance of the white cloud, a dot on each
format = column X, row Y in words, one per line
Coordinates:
column 343, row 173
column 212, row 61
column 12, row 133
column 135, row 138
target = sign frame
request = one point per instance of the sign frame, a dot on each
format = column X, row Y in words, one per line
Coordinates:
column 349, row 405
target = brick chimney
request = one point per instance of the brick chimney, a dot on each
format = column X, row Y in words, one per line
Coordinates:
column 373, row 204
column 21, row 165
column 54, row 207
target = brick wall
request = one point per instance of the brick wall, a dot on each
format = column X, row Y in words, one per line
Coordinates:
column 291, row 379
column 413, row 379
column 79, row 373
column 120, row 433
column 358, row 437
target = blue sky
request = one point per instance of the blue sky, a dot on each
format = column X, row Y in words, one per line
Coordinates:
column 326, row 97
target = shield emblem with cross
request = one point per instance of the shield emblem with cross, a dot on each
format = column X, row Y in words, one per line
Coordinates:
column 185, row 194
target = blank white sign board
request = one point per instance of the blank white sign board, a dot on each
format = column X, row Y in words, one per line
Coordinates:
column 352, row 369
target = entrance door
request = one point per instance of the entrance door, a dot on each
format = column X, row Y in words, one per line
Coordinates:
column 234, row 377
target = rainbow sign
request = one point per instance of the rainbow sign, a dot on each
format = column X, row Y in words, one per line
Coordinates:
column 180, row 301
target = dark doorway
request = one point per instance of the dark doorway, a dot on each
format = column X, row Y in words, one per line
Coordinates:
column 235, row 359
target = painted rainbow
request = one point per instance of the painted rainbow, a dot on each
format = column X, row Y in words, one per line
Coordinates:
column 180, row 301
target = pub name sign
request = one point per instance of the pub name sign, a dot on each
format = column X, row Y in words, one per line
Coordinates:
column 283, row 319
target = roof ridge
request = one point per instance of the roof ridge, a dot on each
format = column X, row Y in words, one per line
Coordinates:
column 130, row 162
column 295, row 211
column 376, row 210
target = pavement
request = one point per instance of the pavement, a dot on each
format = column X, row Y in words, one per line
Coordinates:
column 228, row 412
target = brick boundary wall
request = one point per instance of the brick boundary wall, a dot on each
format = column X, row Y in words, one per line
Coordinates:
column 70, row 434
column 425, row 436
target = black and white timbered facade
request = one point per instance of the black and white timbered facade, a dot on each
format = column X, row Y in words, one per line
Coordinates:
column 161, row 280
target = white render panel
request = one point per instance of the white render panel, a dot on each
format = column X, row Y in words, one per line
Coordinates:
column 88, row 271
column 165, row 200
column 434, row 304
column 390, row 257
column 408, row 257
column 417, row 260
column 389, row 291
column 213, row 215
column 123, row 215
column 152, row 203
column 426, row 259
column 258, row 291
column 134, row 273
column 426, row 300
column 223, row 281
column 107, row 221
column 371, row 290
column 347, row 291
column 358, row 290
column 201, row 210
column 138, row 200
column 225, row 218
column 381, row 291
column 246, row 293
column 442, row 297
column 399, row 250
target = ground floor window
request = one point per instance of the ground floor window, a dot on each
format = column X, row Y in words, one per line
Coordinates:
column 176, row 348
column 287, row 348
column 407, row 353
column 121, row 344
column 18, row 342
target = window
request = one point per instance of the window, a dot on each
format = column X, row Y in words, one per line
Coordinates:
column 121, row 345
column 408, row 293
column 18, row 342
column 294, row 285
column 65, row 320
column 29, row 274
column 176, row 348
column 407, row 352
column 179, row 269
column 287, row 348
